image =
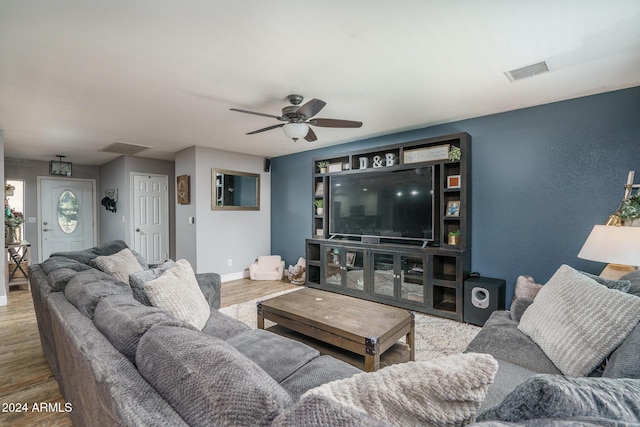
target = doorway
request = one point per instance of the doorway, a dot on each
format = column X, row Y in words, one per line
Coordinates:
column 150, row 197
column 67, row 215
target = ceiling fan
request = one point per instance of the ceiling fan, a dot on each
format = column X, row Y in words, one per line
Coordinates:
column 298, row 119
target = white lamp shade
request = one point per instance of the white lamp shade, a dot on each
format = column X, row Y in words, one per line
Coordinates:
column 611, row 244
column 295, row 130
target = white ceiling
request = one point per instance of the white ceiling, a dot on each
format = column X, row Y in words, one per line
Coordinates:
column 76, row 75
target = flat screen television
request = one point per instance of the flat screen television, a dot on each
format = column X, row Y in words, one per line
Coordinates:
column 390, row 204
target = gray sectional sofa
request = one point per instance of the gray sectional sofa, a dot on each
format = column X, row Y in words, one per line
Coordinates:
column 120, row 361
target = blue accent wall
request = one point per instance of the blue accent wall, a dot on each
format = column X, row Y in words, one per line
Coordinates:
column 542, row 177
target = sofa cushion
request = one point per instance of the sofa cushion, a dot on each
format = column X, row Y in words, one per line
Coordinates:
column 277, row 355
column 501, row 338
column 139, row 278
column 223, row 326
column 87, row 288
column 85, row 256
column 318, row 371
column 577, row 322
column 58, row 279
column 634, row 279
column 558, row 397
column 443, row 391
column 177, row 292
column 206, row 380
column 124, row 320
column 625, row 360
column 120, row 265
column 54, row 263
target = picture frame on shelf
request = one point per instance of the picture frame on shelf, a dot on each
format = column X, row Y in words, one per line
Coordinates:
column 351, row 259
column 319, row 189
column 335, row 167
column 453, row 208
column 453, row 181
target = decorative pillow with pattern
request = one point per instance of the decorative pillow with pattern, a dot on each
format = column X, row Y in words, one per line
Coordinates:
column 120, row 265
column 177, row 292
column 578, row 322
column 443, row 391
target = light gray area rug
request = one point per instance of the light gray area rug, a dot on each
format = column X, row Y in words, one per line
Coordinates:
column 435, row 336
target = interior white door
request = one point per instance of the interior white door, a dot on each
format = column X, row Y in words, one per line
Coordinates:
column 150, row 216
column 67, row 215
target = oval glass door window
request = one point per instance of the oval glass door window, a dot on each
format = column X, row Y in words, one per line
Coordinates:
column 68, row 212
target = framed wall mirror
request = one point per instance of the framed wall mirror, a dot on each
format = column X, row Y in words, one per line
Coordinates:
column 234, row 191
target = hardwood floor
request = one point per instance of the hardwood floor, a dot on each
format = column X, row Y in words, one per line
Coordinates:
column 25, row 377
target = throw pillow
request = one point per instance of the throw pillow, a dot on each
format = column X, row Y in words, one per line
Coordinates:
column 526, row 287
column 578, row 322
column 443, row 391
column 556, row 397
column 208, row 382
column 120, row 265
column 177, row 292
column 619, row 285
column 139, row 278
column 634, row 280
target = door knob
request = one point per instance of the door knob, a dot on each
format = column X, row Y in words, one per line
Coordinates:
column 46, row 229
column 137, row 230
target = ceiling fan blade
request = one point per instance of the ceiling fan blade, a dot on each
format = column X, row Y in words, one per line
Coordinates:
column 311, row 136
column 311, row 108
column 335, row 123
column 254, row 113
column 265, row 129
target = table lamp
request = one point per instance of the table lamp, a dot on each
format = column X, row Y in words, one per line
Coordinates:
column 617, row 245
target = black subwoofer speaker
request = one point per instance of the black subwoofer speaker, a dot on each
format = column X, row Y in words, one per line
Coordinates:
column 482, row 296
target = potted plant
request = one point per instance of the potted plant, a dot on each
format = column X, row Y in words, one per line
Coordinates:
column 13, row 221
column 319, row 206
column 454, row 237
column 323, row 166
column 630, row 210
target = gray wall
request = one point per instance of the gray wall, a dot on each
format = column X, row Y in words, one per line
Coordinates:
column 541, row 178
column 218, row 236
column 3, row 291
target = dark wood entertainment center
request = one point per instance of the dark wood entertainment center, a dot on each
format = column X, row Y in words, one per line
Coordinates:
column 425, row 276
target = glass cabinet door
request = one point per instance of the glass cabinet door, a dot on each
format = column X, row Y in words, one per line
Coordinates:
column 333, row 265
column 412, row 278
column 354, row 268
column 383, row 274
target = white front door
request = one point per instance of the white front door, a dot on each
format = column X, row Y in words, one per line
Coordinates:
column 66, row 214
column 150, row 216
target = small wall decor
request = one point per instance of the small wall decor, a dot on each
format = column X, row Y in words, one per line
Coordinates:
column 453, row 181
column 184, row 190
column 364, row 162
column 320, row 189
column 110, row 199
column 377, row 161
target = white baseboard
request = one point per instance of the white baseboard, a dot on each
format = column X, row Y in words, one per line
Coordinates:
column 3, row 300
column 234, row 276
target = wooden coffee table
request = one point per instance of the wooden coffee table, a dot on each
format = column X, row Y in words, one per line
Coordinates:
column 362, row 327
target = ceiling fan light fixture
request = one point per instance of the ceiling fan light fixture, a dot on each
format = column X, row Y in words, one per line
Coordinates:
column 295, row 130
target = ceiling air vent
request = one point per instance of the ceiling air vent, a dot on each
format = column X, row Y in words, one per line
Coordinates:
column 124, row 148
column 528, row 71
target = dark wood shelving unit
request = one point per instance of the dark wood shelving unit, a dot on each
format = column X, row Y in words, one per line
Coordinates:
column 427, row 278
